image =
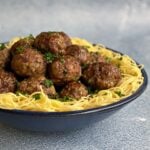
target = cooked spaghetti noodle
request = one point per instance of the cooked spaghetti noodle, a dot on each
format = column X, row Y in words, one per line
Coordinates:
column 130, row 82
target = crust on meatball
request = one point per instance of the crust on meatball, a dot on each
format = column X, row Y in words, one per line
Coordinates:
column 95, row 57
column 79, row 52
column 74, row 90
column 101, row 75
column 64, row 69
column 4, row 57
column 28, row 63
column 22, row 44
column 54, row 42
column 33, row 84
column 7, row 82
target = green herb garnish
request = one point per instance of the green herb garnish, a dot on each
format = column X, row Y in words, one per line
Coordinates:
column 51, row 32
column 90, row 81
column 19, row 49
column 2, row 46
column 62, row 60
column 108, row 59
column 92, row 91
column 48, row 83
column 84, row 66
column 17, row 83
column 119, row 93
column 36, row 96
column 30, row 36
column 86, row 46
column 17, row 93
column 20, row 92
column 49, row 57
column 66, row 99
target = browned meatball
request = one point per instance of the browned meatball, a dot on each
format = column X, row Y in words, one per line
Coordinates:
column 7, row 82
column 101, row 75
column 79, row 52
column 4, row 57
column 28, row 63
column 22, row 44
column 74, row 90
column 95, row 57
column 54, row 42
column 33, row 84
column 64, row 69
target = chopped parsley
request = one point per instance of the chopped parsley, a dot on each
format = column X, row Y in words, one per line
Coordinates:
column 108, row 59
column 30, row 36
column 49, row 57
column 62, row 60
column 91, row 90
column 66, row 99
column 20, row 92
column 17, row 93
column 90, row 81
column 86, row 46
column 119, row 93
column 48, row 83
column 19, row 49
column 84, row 66
column 51, row 32
column 2, row 46
column 17, row 83
column 36, row 96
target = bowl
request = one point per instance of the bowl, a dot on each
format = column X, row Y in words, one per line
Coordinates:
column 63, row 121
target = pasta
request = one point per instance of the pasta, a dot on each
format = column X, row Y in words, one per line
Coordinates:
column 130, row 82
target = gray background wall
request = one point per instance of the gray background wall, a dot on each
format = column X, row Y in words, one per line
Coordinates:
column 119, row 24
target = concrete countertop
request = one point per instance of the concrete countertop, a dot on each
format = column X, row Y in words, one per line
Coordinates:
column 121, row 25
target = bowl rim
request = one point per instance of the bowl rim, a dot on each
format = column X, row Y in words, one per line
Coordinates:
column 109, row 107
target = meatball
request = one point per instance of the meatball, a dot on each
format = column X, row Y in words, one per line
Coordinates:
column 33, row 84
column 54, row 42
column 79, row 52
column 22, row 44
column 101, row 75
column 7, row 82
column 64, row 69
column 4, row 57
column 95, row 57
column 28, row 63
column 74, row 90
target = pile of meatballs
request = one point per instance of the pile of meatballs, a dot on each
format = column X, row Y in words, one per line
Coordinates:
column 52, row 62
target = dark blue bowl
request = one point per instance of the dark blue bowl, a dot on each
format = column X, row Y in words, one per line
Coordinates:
column 61, row 121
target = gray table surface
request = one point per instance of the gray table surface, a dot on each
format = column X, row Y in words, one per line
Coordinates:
column 122, row 25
